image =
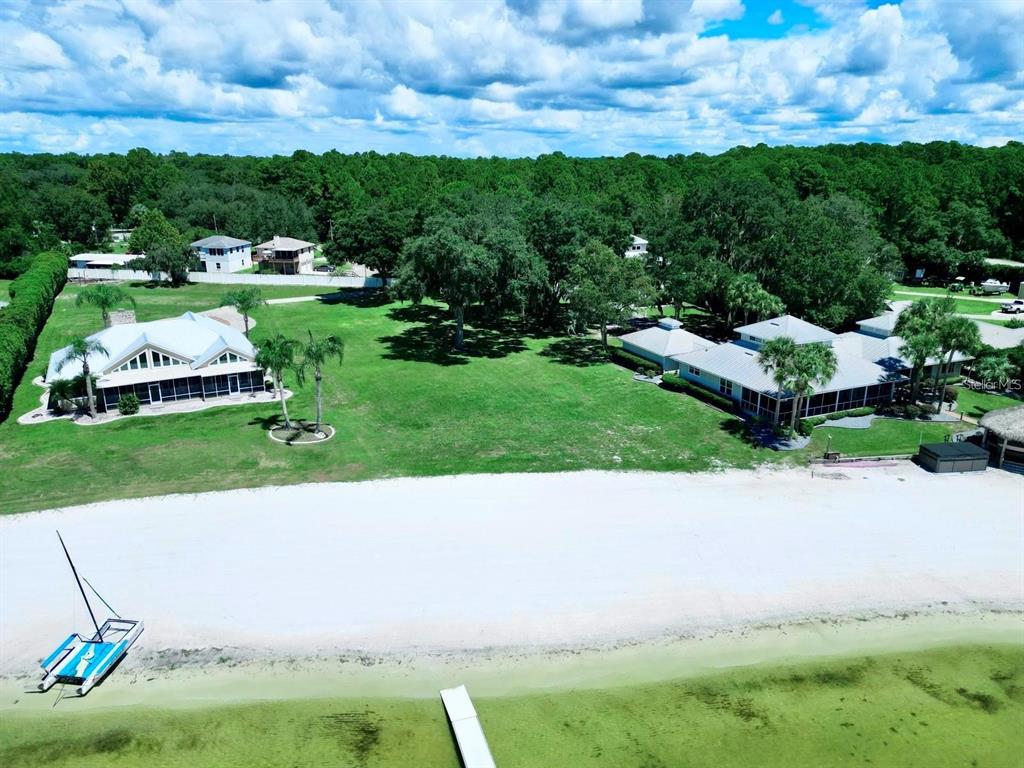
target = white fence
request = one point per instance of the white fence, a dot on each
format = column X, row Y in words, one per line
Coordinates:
column 227, row 278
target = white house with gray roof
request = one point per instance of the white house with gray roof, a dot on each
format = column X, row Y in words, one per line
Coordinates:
column 178, row 358
column 660, row 342
column 219, row 253
column 287, row 255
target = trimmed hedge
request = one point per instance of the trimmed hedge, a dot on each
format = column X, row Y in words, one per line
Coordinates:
column 806, row 426
column 32, row 296
column 677, row 383
column 629, row 360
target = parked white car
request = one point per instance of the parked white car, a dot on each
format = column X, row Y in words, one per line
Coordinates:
column 1014, row 307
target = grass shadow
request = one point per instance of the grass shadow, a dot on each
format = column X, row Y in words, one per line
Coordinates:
column 356, row 297
column 267, row 422
column 577, row 351
column 430, row 339
column 744, row 431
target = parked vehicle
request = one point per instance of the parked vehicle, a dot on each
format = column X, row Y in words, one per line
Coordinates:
column 1014, row 307
column 323, row 268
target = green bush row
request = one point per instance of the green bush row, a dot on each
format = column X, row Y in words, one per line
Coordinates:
column 805, row 426
column 32, row 296
column 629, row 360
column 677, row 383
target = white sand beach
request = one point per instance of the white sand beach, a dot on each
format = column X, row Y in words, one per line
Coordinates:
column 446, row 565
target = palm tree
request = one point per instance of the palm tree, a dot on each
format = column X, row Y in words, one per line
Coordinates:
column 917, row 325
column 994, row 369
column 277, row 355
column 918, row 348
column 314, row 355
column 812, row 364
column 776, row 360
column 80, row 350
column 245, row 300
column 955, row 334
column 105, row 298
column 62, row 394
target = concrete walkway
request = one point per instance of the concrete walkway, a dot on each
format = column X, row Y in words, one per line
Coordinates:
column 300, row 299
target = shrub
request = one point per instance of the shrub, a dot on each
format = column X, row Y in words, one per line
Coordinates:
column 1015, row 322
column 676, row 383
column 628, row 359
column 128, row 404
column 950, row 394
column 32, row 296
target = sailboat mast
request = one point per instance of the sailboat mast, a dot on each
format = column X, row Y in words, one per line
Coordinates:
column 81, row 589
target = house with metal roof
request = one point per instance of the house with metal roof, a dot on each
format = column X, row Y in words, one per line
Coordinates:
column 286, row 255
column 178, row 358
column 660, row 342
column 798, row 330
column 866, row 371
column 219, row 253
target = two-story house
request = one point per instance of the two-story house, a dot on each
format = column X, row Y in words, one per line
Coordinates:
column 286, row 256
column 219, row 253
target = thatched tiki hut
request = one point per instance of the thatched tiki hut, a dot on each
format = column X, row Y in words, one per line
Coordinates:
column 1004, row 429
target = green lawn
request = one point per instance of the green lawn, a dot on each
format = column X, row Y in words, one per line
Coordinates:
column 403, row 404
column 976, row 403
column 960, row 706
column 884, row 437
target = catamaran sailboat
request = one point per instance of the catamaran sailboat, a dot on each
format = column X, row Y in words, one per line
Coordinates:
column 85, row 661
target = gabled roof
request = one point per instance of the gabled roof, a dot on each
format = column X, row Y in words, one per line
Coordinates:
column 887, row 320
column 190, row 337
column 219, row 241
column 637, row 240
column 665, row 339
column 799, row 330
column 285, row 244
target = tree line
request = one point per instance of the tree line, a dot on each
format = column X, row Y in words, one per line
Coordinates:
column 818, row 232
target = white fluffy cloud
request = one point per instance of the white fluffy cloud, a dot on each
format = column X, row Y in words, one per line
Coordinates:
column 503, row 76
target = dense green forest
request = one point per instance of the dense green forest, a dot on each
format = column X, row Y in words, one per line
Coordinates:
column 821, row 230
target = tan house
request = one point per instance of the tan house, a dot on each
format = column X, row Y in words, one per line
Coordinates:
column 286, row 256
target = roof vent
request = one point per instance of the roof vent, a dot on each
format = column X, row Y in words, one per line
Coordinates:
column 669, row 323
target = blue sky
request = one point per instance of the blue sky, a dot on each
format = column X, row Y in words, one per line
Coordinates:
column 505, row 77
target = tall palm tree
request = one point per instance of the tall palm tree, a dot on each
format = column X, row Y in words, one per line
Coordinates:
column 918, row 348
column 314, row 354
column 81, row 350
column 105, row 298
column 917, row 326
column 812, row 364
column 776, row 360
column 277, row 355
column 955, row 334
column 245, row 300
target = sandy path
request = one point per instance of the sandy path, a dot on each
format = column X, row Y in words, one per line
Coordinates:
column 513, row 560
